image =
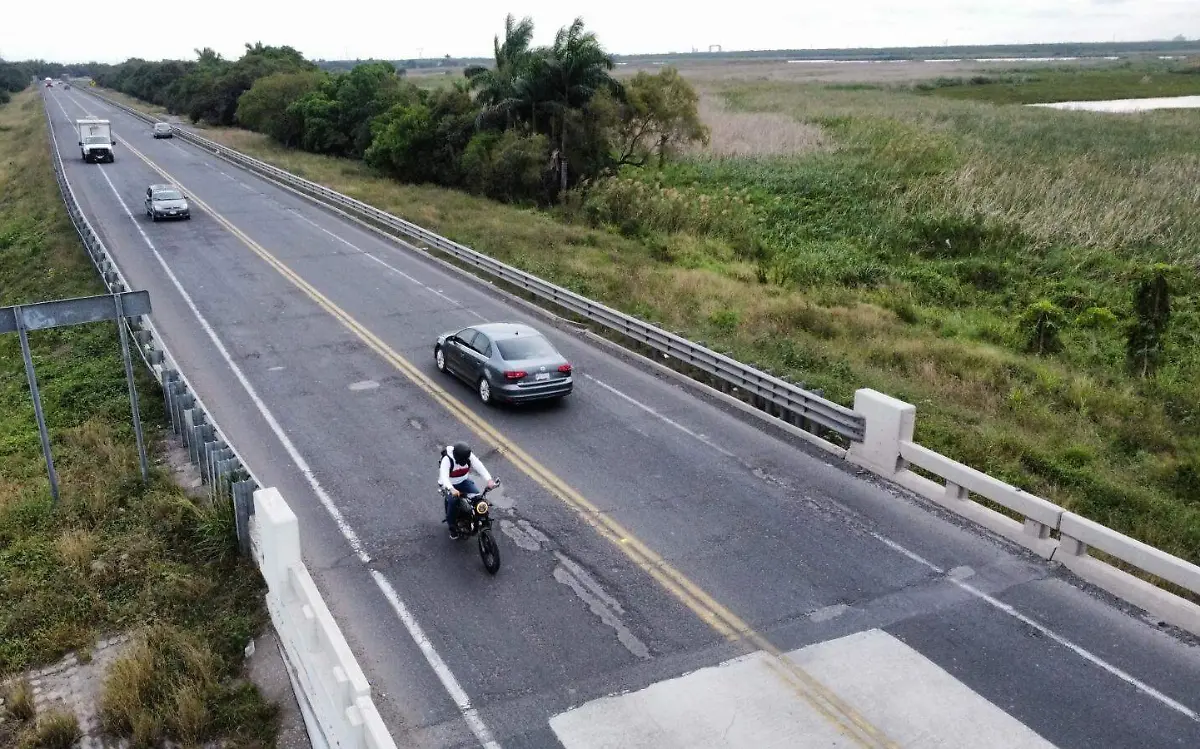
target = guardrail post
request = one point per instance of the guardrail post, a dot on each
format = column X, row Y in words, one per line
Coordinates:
column 1070, row 546
column 889, row 422
column 1037, row 530
column 956, row 493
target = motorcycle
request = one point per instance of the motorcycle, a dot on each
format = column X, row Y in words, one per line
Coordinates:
column 473, row 518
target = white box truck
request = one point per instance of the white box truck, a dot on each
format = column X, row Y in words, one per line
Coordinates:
column 95, row 140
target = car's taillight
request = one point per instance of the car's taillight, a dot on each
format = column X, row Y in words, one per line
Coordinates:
column 514, row 375
column 565, row 369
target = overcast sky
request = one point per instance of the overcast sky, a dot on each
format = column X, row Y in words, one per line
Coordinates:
column 114, row 30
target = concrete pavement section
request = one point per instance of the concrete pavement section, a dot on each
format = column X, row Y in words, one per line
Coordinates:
column 739, row 705
column 280, row 311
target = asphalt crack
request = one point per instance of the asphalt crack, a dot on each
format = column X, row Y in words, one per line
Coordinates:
column 585, row 586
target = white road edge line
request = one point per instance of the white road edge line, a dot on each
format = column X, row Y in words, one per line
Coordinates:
column 1087, row 655
column 657, row 415
column 443, row 672
column 457, row 693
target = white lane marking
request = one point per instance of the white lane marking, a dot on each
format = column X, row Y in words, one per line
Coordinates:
column 910, row 554
column 657, row 415
column 177, row 148
column 456, row 692
column 392, row 268
column 1087, row 655
column 226, row 175
column 444, row 674
column 63, row 110
column 347, row 532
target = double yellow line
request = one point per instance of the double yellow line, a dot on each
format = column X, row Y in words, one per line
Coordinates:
column 719, row 618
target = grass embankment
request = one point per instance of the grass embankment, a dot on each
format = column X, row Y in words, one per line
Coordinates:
column 115, row 556
column 1046, row 85
column 897, row 249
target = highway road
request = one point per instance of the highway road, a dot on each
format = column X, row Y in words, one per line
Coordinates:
column 649, row 536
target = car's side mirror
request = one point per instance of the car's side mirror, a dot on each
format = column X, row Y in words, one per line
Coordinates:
column 81, row 143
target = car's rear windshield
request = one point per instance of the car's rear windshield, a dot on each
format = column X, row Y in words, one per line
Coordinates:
column 525, row 347
column 167, row 195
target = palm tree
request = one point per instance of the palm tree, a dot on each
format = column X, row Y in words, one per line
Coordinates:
column 496, row 86
column 571, row 72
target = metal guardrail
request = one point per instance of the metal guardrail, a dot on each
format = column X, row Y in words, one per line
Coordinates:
column 221, row 467
column 768, row 392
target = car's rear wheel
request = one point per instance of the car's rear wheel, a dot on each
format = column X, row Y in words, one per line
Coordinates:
column 439, row 356
column 485, row 390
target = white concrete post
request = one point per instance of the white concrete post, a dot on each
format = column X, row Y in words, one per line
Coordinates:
column 279, row 538
column 889, row 422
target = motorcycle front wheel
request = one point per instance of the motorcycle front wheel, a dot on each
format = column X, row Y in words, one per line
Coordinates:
column 489, row 551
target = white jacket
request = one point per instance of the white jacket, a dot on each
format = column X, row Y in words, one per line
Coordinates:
column 460, row 472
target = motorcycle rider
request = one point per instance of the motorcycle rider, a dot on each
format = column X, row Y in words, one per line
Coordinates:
column 454, row 477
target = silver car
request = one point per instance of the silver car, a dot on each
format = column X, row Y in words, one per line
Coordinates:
column 505, row 361
column 164, row 201
column 163, row 130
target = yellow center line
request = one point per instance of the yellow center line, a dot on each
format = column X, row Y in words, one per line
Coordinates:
column 720, row 619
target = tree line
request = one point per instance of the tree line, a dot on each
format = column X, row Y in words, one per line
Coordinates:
column 16, row 76
column 528, row 127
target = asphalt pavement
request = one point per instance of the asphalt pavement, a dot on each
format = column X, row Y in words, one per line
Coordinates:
column 310, row 338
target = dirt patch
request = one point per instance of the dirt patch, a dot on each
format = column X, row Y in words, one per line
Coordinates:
column 74, row 687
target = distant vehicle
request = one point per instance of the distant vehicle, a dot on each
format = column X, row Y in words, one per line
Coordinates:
column 505, row 362
column 163, row 130
column 165, row 201
column 49, row 83
column 95, row 140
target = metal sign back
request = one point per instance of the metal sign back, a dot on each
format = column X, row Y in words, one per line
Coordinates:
column 63, row 312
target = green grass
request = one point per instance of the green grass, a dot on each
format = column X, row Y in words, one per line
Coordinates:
column 116, row 556
column 901, row 256
column 1037, row 85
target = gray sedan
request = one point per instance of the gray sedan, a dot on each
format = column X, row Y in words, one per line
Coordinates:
column 505, row 362
column 164, row 201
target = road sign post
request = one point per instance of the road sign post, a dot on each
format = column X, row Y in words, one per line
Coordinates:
column 133, row 396
column 31, row 376
column 22, row 318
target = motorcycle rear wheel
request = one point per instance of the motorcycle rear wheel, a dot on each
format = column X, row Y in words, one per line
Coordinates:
column 489, row 551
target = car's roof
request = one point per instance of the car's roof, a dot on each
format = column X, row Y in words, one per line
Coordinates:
column 498, row 331
column 162, row 187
